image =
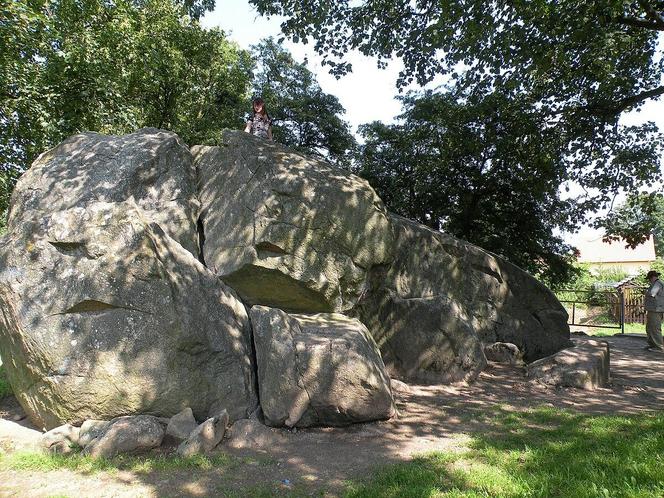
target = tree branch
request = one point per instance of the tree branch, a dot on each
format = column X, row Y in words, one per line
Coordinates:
column 635, row 22
column 615, row 108
column 655, row 16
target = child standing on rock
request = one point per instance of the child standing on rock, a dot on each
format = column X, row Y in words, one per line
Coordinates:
column 260, row 124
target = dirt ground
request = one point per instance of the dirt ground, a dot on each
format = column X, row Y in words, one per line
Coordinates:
column 318, row 462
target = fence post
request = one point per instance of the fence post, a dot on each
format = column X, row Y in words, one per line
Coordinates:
column 622, row 312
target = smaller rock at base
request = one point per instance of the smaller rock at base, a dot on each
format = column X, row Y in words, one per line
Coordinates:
column 205, row 437
column 91, row 430
column 181, row 425
column 399, row 386
column 503, row 352
column 585, row 366
column 250, row 433
column 62, row 439
column 127, row 435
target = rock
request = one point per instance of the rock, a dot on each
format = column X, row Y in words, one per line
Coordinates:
column 433, row 306
column 398, row 386
column 128, row 434
column 151, row 168
column 105, row 314
column 205, row 437
column 285, row 230
column 62, row 439
column 181, row 424
column 503, row 352
column 586, row 365
column 322, row 369
column 91, row 430
column 250, row 433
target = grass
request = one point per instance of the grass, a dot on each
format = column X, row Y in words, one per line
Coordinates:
column 5, row 389
column 539, row 453
column 630, row 328
column 36, row 461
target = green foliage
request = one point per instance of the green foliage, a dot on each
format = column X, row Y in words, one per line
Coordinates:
column 451, row 164
column 5, row 388
column 69, row 66
column 639, row 216
column 305, row 117
column 539, row 453
column 658, row 266
column 571, row 67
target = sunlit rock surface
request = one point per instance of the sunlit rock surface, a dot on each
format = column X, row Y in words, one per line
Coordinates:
column 129, row 262
column 152, row 168
column 434, row 305
column 322, row 369
column 103, row 314
column 286, row 230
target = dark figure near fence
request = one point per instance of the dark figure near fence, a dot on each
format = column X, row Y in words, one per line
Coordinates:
column 654, row 305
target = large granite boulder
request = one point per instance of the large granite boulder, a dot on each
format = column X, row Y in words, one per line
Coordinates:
column 103, row 314
column 441, row 298
column 152, row 168
column 322, row 369
column 286, row 230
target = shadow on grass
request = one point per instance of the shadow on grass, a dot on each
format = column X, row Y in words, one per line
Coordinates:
column 539, row 453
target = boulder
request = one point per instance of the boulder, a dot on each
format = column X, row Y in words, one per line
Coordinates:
column 127, row 435
column 503, row 352
column 62, row 439
column 91, row 430
column 586, row 365
column 434, row 305
column 181, row 424
column 152, row 168
column 322, row 369
column 286, row 230
column 104, row 314
column 204, row 438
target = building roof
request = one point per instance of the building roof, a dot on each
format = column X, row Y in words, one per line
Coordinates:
column 594, row 250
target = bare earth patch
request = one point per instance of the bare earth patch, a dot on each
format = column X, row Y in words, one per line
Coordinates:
column 318, row 461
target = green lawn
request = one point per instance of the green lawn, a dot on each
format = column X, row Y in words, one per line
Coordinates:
column 541, row 453
column 630, row 328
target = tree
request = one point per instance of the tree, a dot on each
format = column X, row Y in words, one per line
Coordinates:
column 68, row 66
column 305, row 117
column 637, row 218
column 580, row 64
column 480, row 168
column 573, row 67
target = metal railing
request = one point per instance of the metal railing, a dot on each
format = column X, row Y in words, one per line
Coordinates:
column 612, row 300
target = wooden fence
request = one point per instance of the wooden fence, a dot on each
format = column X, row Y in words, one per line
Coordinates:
column 633, row 299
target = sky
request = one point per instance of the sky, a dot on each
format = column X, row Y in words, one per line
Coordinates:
column 368, row 93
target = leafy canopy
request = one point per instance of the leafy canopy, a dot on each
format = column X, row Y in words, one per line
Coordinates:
column 68, row 66
column 305, row 117
column 481, row 169
column 638, row 217
column 567, row 67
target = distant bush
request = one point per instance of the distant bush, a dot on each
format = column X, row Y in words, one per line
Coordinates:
column 5, row 389
column 596, row 282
